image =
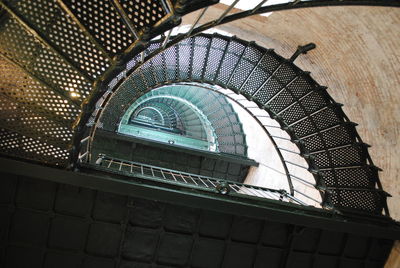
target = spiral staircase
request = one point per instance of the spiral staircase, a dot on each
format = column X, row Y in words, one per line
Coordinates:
column 72, row 69
column 212, row 113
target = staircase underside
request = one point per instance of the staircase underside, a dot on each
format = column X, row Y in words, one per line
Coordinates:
column 46, row 223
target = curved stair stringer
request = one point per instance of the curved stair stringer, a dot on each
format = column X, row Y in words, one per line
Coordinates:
column 326, row 139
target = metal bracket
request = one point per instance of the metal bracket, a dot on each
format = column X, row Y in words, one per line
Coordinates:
column 302, row 50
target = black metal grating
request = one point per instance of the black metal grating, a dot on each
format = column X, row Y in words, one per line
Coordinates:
column 184, row 56
column 232, row 57
column 63, row 33
column 348, row 156
column 49, row 67
column 283, row 102
column 201, row 43
column 256, row 80
column 103, row 22
column 269, row 89
column 149, row 75
column 323, row 119
column 17, row 145
column 363, row 177
column 144, row 14
column 214, row 57
column 285, row 73
column 159, row 69
column 16, row 43
column 18, row 86
column 24, row 120
column 293, row 114
column 301, row 86
column 366, row 200
column 334, row 137
column 171, row 63
column 41, row 61
column 244, row 68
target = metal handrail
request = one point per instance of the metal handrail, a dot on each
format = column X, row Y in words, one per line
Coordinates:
column 200, row 182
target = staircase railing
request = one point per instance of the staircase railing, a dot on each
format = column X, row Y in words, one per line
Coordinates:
column 193, row 181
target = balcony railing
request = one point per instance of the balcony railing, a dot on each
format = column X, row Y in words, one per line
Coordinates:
column 193, row 181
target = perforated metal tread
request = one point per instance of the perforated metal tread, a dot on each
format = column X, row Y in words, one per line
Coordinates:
column 19, row 145
column 44, row 224
column 63, row 34
column 38, row 118
column 312, row 119
column 41, row 62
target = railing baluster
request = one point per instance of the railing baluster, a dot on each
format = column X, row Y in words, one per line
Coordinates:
column 180, row 174
column 85, row 139
column 254, row 191
column 226, row 12
column 109, row 164
column 173, row 176
column 303, row 181
column 242, row 189
column 152, row 172
column 289, row 151
column 232, row 187
column 295, row 164
column 266, row 194
column 258, row 6
column 307, row 196
column 164, row 44
column 271, row 126
column 193, row 180
column 81, row 156
column 203, row 182
column 162, row 173
column 142, row 56
column 211, row 182
column 197, row 21
column 281, row 138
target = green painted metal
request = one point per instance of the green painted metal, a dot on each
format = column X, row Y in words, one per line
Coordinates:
column 162, row 136
column 163, row 146
column 198, row 108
